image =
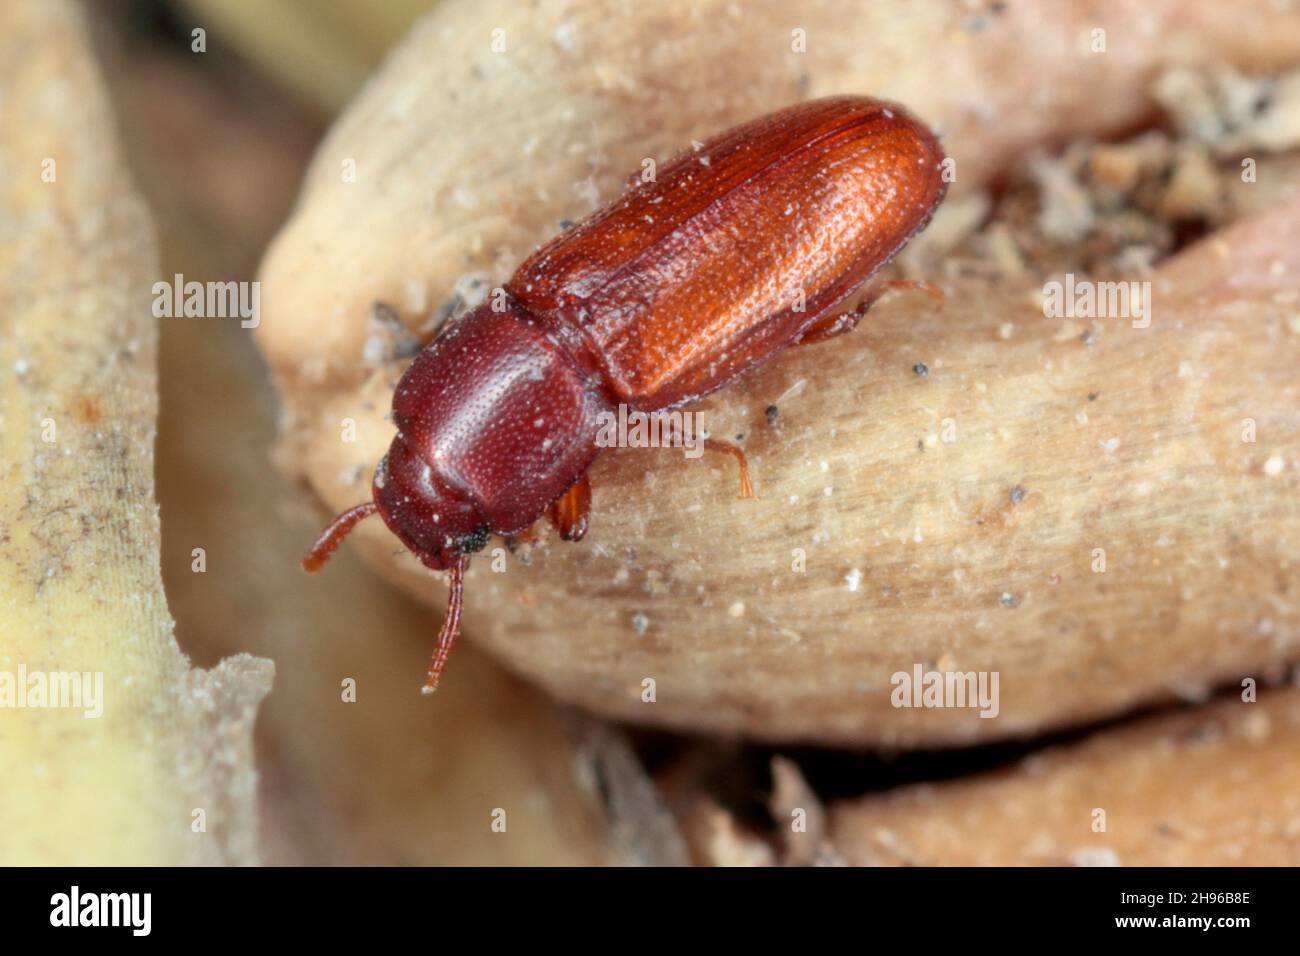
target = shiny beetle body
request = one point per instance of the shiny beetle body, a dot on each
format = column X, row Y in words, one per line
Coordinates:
column 740, row 247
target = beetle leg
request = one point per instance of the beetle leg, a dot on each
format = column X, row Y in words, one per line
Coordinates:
column 836, row 324
column 569, row 511
column 674, row 436
column 513, row 541
column 746, row 487
column 912, row 285
column 842, row 322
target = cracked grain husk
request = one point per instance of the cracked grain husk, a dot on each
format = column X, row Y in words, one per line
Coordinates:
column 1212, row 786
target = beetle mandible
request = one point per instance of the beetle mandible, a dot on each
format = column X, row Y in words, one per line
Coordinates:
column 743, row 245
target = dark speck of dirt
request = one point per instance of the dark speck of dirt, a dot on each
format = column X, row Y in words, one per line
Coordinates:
column 1009, row 600
column 385, row 314
column 1017, row 494
column 772, row 413
column 921, row 369
column 1092, row 396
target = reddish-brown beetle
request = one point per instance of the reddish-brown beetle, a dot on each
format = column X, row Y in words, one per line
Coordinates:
column 739, row 248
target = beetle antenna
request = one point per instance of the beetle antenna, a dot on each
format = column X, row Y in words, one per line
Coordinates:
column 450, row 626
column 333, row 536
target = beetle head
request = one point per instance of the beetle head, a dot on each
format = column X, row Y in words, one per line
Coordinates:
column 438, row 523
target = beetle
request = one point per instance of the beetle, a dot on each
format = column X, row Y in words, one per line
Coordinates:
column 740, row 246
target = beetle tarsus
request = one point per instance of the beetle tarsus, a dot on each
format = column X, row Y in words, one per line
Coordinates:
column 746, row 486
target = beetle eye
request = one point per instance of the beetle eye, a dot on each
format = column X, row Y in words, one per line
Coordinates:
column 476, row 540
